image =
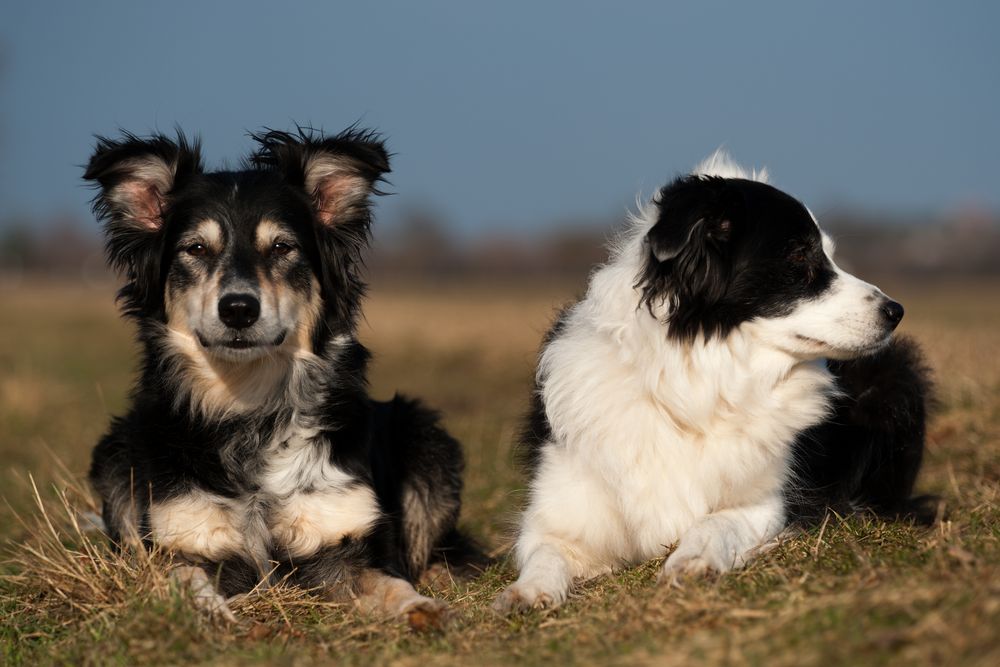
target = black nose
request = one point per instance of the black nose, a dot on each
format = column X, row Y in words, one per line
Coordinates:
column 893, row 312
column 239, row 310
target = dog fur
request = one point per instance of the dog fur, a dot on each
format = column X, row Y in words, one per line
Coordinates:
column 721, row 379
column 251, row 449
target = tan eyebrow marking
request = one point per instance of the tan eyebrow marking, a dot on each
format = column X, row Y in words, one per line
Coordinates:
column 208, row 232
column 267, row 233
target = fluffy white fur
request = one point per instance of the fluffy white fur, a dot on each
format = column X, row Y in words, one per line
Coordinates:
column 658, row 443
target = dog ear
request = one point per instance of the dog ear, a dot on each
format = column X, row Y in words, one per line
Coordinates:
column 687, row 262
column 694, row 213
column 135, row 177
column 338, row 173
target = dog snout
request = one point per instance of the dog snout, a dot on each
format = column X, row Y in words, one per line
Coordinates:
column 893, row 313
column 239, row 311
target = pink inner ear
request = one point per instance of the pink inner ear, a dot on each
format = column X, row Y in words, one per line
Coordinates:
column 336, row 194
column 724, row 230
column 143, row 203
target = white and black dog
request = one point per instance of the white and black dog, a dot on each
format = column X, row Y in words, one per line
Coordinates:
column 251, row 449
column 721, row 378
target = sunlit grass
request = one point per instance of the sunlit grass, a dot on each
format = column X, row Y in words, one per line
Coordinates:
column 855, row 591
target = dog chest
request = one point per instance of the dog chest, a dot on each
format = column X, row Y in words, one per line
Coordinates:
column 686, row 433
column 302, row 503
column 313, row 503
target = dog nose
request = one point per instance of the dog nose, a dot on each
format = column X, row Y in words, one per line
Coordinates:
column 893, row 312
column 239, row 310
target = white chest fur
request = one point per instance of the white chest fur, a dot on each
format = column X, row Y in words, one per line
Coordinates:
column 315, row 503
column 304, row 503
column 664, row 432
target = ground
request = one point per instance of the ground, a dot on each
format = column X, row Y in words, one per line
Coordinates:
column 853, row 591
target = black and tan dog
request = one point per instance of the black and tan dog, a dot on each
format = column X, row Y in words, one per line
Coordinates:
column 252, row 449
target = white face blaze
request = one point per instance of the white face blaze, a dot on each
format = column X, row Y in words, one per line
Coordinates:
column 846, row 321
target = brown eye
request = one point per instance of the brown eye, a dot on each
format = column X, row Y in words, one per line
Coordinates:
column 804, row 258
column 800, row 255
column 196, row 250
column 281, row 249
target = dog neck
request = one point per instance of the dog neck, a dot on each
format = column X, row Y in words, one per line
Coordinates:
column 289, row 379
column 698, row 385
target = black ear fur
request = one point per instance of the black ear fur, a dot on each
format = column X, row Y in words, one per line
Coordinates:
column 687, row 250
column 693, row 211
column 136, row 177
column 338, row 175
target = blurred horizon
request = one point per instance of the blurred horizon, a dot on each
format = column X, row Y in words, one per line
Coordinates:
column 527, row 120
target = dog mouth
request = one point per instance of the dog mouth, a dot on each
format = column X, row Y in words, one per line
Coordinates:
column 858, row 351
column 812, row 341
column 240, row 341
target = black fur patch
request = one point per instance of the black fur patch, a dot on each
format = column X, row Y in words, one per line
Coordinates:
column 725, row 251
column 868, row 453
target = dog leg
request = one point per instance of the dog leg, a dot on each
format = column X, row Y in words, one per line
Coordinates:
column 377, row 592
column 725, row 540
column 571, row 529
column 203, row 591
column 544, row 583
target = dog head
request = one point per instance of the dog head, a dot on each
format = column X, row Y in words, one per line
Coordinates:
column 244, row 263
column 728, row 251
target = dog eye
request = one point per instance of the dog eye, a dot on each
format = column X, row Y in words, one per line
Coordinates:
column 196, row 250
column 800, row 255
column 280, row 249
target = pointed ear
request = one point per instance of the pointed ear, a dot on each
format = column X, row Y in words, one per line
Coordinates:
column 135, row 177
column 694, row 213
column 338, row 173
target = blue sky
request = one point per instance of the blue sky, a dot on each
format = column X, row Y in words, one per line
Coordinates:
column 512, row 116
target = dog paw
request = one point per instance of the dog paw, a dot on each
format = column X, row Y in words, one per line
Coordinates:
column 203, row 593
column 685, row 566
column 518, row 598
column 426, row 615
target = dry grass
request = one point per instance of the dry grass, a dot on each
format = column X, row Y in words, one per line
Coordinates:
column 856, row 591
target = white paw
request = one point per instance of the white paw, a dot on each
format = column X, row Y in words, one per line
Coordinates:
column 203, row 593
column 216, row 606
column 689, row 560
column 681, row 566
column 521, row 597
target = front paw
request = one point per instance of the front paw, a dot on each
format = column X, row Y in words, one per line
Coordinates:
column 686, row 566
column 203, row 593
column 519, row 597
column 426, row 614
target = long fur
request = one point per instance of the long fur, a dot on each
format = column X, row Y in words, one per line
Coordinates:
column 251, row 447
column 720, row 379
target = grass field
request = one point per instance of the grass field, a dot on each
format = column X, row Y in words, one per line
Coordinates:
column 855, row 591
